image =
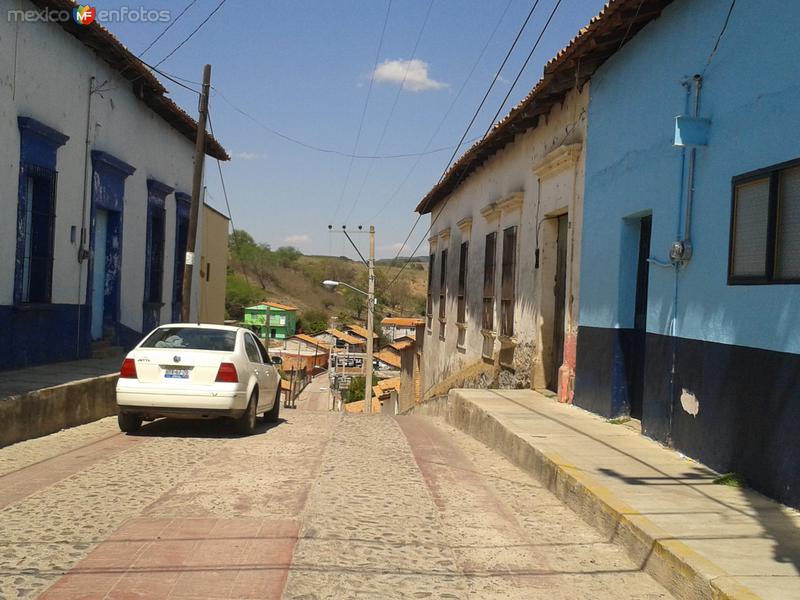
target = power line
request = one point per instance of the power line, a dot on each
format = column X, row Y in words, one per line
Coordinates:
column 393, row 195
column 516, row 79
column 195, row 30
column 522, row 68
column 466, row 131
column 392, row 109
column 719, row 37
column 364, row 110
column 224, row 189
column 168, row 27
column 321, row 149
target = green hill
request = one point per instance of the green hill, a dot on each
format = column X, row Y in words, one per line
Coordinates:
column 256, row 272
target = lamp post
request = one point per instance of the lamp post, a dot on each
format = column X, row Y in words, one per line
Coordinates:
column 370, row 325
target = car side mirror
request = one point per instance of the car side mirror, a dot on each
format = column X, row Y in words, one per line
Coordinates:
column 276, row 360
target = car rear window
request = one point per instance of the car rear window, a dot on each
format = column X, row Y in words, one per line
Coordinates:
column 192, row 338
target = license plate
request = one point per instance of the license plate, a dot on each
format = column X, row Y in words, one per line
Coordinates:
column 176, row 373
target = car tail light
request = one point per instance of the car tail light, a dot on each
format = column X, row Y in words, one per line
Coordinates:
column 227, row 373
column 128, row 370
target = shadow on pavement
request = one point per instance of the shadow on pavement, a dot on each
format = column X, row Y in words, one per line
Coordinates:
column 199, row 428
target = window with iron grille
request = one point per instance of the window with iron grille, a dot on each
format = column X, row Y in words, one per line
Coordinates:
column 487, row 320
column 155, row 253
column 443, row 287
column 507, row 281
column 765, row 226
column 462, row 283
column 429, row 312
column 37, row 225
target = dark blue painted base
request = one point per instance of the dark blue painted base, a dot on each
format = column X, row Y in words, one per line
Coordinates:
column 126, row 337
column 749, row 418
column 35, row 335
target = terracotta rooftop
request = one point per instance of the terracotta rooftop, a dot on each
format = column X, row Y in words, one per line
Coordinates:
column 402, row 321
column 389, row 358
column 310, row 340
column 348, row 339
column 402, row 344
column 144, row 84
column 279, row 306
column 361, row 331
column 573, row 66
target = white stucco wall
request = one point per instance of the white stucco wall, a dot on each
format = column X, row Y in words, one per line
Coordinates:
column 44, row 74
column 554, row 149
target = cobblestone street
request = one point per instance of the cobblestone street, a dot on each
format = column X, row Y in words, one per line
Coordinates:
column 319, row 506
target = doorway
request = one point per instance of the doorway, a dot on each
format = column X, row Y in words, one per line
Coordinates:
column 99, row 272
column 560, row 290
column 639, row 342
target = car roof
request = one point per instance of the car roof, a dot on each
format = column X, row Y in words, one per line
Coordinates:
column 203, row 326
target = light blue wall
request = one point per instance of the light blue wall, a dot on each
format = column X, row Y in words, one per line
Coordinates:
column 751, row 93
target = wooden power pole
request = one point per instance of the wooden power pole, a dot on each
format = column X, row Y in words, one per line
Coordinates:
column 370, row 321
column 194, row 212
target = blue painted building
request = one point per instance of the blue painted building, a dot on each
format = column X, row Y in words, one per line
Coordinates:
column 95, row 169
column 700, row 339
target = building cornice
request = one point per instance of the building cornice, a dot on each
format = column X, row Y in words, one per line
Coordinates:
column 558, row 160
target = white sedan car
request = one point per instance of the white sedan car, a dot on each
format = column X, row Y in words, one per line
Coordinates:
column 198, row 371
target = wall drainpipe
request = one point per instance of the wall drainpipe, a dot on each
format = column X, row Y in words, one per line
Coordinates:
column 83, row 253
column 687, row 220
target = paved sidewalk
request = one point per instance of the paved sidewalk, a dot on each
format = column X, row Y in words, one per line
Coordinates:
column 22, row 381
column 699, row 539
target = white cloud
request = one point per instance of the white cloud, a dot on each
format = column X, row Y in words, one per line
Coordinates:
column 410, row 74
column 299, row 239
column 249, row 156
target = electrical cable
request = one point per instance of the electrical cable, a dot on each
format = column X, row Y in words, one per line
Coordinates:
column 363, row 111
column 522, row 68
column 455, row 152
column 393, row 195
column 441, row 210
column 195, row 30
column 167, row 28
column 321, row 149
column 224, row 189
column 719, row 37
column 392, row 109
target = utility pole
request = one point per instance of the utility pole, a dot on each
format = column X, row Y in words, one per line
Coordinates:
column 194, row 212
column 370, row 319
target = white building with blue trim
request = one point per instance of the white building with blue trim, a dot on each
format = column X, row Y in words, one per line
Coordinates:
column 95, row 174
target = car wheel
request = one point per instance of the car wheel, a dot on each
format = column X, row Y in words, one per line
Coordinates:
column 271, row 416
column 129, row 422
column 246, row 424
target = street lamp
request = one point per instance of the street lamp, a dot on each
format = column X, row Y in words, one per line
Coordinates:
column 329, row 283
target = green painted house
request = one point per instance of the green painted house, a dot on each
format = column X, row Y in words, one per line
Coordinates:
column 271, row 320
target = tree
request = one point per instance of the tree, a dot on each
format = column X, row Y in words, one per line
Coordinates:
column 355, row 391
column 355, row 301
column 313, row 321
column 239, row 294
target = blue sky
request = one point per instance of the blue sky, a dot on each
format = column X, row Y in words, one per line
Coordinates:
column 304, row 67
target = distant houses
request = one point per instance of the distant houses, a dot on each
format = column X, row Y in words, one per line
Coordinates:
column 95, row 182
column 271, row 320
column 397, row 327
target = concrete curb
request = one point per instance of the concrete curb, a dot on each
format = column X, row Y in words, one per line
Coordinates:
column 45, row 411
column 681, row 570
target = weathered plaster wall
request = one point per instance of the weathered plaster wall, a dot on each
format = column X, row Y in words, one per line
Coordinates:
column 510, row 172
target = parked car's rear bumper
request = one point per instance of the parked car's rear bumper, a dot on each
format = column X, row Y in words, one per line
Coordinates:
column 181, row 403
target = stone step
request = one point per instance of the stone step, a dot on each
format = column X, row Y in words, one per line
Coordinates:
column 107, row 351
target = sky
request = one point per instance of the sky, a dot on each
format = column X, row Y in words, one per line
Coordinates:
column 341, row 76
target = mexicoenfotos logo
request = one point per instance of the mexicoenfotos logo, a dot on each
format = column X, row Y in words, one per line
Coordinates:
column 84, row 14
